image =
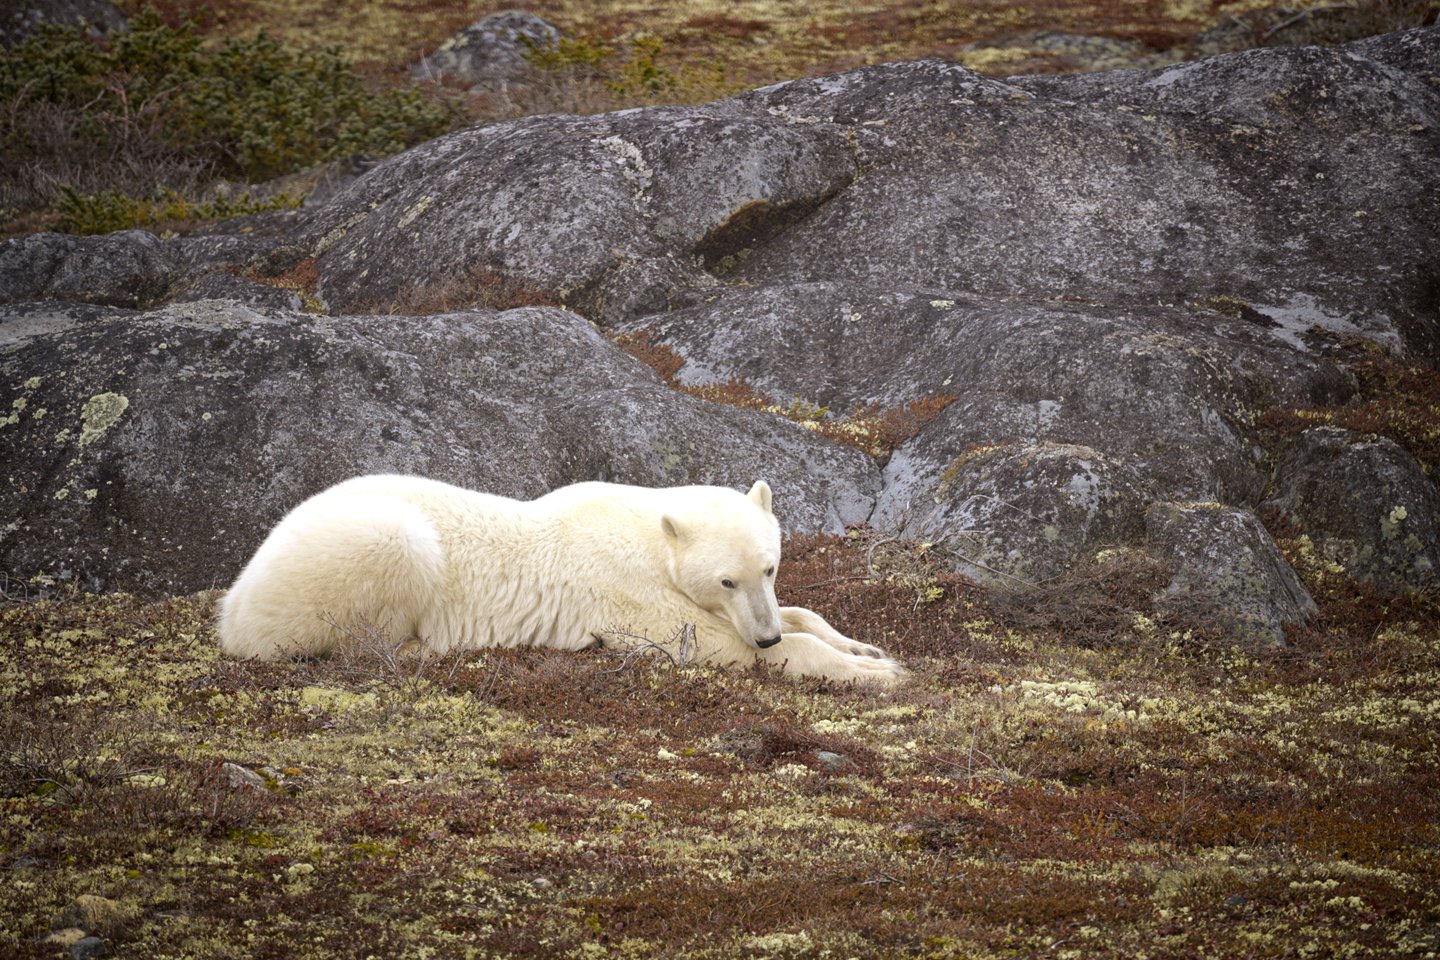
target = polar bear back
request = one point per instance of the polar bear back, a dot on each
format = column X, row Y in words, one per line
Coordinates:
column 417, row 558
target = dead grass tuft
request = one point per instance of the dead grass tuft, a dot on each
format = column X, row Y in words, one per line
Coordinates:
column 1399, row 399
column 871, row 429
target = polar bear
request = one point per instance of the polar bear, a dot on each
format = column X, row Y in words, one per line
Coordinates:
column 589, row 563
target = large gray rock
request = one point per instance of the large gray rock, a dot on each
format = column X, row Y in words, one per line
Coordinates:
column 136, row 268
column 153, row 451
column 614, row 214
column 1365, row 502
column 1172, row 391
column 126, row 269
column 1028, row 512
column 1289, row 179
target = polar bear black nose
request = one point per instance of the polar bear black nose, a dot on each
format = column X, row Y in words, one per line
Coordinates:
column 766, row 644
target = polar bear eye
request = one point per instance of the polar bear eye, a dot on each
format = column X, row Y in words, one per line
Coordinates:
column 770, row 572
column 728, row 584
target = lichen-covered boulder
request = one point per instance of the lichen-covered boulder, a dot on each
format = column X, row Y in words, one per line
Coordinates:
column 571, row 206
column 153, row 451
column 125, row 269
column 1366, row 504
column 1227, row 569
column 490, row 52
column 1249, row 184
column 136, row 268
column 1026, row 512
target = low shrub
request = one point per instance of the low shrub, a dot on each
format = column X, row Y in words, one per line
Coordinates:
column 128, row 107
column 113, row 210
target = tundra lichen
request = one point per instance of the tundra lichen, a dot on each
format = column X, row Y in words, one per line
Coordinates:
column 100, row 413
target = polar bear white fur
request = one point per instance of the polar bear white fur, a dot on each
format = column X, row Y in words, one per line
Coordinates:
column 592, row 562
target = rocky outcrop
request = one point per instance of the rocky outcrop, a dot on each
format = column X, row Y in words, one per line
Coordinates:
column 1173, row 391
column 1026, row 512
column 1286, row 179
column 1103, row 280
column 154, row 450
column 134, row 268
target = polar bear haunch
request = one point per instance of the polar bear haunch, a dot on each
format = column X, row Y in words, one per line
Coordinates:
column 453, row 568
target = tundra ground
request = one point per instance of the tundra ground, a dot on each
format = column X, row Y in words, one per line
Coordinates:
column 1067, row 775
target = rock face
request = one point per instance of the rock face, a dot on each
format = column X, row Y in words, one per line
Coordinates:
column 489, row 52
column 154, row 450
column 1108, row 278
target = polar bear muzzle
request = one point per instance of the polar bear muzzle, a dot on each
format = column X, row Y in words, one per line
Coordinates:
column 767, row 644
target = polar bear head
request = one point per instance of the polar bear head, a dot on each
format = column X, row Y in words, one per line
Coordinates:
column 724, row 554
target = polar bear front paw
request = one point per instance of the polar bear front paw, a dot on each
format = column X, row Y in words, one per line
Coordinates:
column 856, row 648
column 878, row 669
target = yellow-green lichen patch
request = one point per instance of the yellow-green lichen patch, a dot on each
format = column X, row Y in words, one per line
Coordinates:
column 100, row 413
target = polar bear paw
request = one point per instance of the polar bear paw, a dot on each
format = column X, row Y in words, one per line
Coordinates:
column 877, row 669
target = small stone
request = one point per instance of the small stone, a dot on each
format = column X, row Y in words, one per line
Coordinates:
column 1238, row 900
column 23, row 863
column 834, row 762
column 238, row 776
column 87, row 948
column 542, row 883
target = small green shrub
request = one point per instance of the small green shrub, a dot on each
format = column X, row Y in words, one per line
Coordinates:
column 633, row 72
column 113, row 210
column 569, row 53
column 248, row 108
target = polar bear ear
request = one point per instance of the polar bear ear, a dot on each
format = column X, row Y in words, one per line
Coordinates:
column 760, row 493
column 673, row 531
